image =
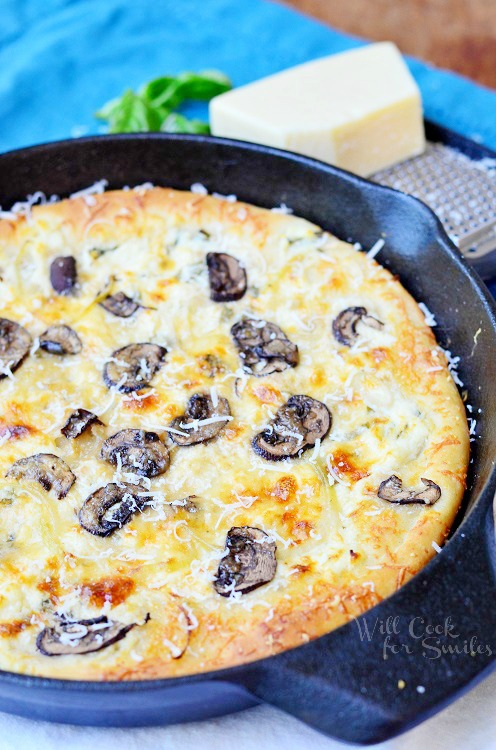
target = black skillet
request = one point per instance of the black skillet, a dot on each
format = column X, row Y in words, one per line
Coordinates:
column 340, row 683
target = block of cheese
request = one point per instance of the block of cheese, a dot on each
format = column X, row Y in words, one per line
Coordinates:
column 360, row 110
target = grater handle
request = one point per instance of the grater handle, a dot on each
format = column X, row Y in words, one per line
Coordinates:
column 479, row 249
column 455, row 177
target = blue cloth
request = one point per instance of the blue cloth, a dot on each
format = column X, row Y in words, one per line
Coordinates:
column 60, row 60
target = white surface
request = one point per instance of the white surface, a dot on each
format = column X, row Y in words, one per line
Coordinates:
column 469, row 724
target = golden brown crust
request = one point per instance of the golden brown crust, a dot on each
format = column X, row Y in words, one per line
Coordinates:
column 340, row 549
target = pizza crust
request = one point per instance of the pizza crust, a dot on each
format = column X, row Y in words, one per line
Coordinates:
column 340, row 549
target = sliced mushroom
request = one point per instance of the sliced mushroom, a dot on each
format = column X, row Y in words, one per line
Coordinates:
column 132, row 367
column 263, row 347
column 120, row 304
column 60, row 339
column 78, row 422
column 63, row 274
column 297, row 425
column 227, row 277
column 391, row 489
column 81, row 636
column 49, row 470
column 189, row 504
column 15, row 431
column 136, row 451
column 110, row 508
column 344, row 327
column 15, row 343
column 430, row 494
column 250, row 562
column 201, row 421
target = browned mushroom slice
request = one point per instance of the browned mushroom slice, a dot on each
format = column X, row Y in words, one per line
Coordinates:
column 227, row 277
column 391, row 489
column 110, row 508
column 297, row 425
column 136, row 451
column 63, row 274
column 15, row 343
column 263, row 347
column 120, row 304
column 133, row 366
column 201, row 421
column 250, row 562
column 78, row 422
column 344, row 327
column 60, row 340
column 81, row 636
column 47, row 469
column 188, row 504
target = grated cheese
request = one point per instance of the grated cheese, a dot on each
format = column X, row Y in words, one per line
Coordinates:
column 214, row 397
column 282, row 209
column 23, row 208
column 196, row 423
column 175, row 650
column 5, row 370
column 97, row 188
column 333, row 473
column 143, row 187
column 453, row 362
column 316, row 450
column 375, row 249
column 429, row 317
column 229, row 198
column 198, row 189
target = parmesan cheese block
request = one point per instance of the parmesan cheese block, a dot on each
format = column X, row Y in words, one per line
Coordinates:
column 360, row 110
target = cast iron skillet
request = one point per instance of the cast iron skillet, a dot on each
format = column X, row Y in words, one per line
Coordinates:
column 340, row 683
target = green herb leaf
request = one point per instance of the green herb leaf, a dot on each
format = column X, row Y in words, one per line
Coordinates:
column 154, row 107
column 177, row 123
column 108, row 109
column 161, row 92
column 130, row 114
column 202, row 86
column 172, row 92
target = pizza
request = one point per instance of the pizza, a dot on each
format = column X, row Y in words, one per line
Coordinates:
column 224, row 432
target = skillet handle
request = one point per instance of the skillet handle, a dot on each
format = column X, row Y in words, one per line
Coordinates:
column 480, row 250
column 365, row 686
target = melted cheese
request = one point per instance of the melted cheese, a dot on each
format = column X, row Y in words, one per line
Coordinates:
column 340, row 549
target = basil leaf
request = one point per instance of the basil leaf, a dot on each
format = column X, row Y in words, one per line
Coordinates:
column 127, row 114
column 202, row 86
column 153, row 107
column 172, row 92
column 155, row 117
column 131, row 114
column 105, row 113
column 161, row 92
column 177, row 123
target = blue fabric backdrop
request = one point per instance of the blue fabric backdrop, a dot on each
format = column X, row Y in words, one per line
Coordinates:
column 62, row 59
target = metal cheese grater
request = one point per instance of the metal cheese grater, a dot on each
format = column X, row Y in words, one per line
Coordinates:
column 456, row 177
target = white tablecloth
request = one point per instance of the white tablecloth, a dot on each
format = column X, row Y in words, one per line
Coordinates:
column 469, row 724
